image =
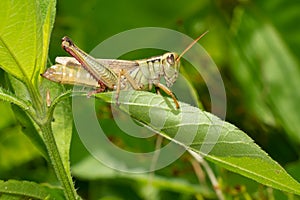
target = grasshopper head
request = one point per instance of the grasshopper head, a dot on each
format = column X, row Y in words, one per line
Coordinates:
column 171, row 62
column 170, row 65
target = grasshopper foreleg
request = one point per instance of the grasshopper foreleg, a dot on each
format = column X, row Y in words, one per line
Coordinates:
column 168, row 92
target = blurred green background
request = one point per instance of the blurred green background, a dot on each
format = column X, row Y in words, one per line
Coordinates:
column 256, row 46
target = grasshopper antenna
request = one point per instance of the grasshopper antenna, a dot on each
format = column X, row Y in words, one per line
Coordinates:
column 190, row 46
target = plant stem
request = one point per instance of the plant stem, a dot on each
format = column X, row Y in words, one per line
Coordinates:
column 44, row 124
column 36, row 100
column 63, row 176
column 210, row 174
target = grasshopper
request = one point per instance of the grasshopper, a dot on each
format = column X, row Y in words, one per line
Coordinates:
column 113, row 74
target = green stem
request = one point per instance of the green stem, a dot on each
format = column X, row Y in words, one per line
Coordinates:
column 63, row 176
column 43, row 120
column 36, row 100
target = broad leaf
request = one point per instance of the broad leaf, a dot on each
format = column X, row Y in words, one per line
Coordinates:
column 24, row 36
column 20, row 38
column 212, row 138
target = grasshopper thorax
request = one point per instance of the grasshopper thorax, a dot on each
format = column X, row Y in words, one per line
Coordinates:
column 170, row 67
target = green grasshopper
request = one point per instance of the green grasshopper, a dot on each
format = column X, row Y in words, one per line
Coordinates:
column 113, row 74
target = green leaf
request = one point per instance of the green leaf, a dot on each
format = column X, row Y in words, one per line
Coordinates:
column 48, row 11
column 20, row 38
column 225, row 144
column 24, row 36
column 62, row 129
column 13, row 189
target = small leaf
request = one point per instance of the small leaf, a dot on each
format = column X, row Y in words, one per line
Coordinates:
column 213, row 139
column 13, row 189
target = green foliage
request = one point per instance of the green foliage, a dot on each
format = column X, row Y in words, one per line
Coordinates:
column 255, row 50
column 24, row 40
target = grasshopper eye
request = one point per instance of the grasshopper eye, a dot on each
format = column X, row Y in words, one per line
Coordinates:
column 171, row 59
column 67, row 40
